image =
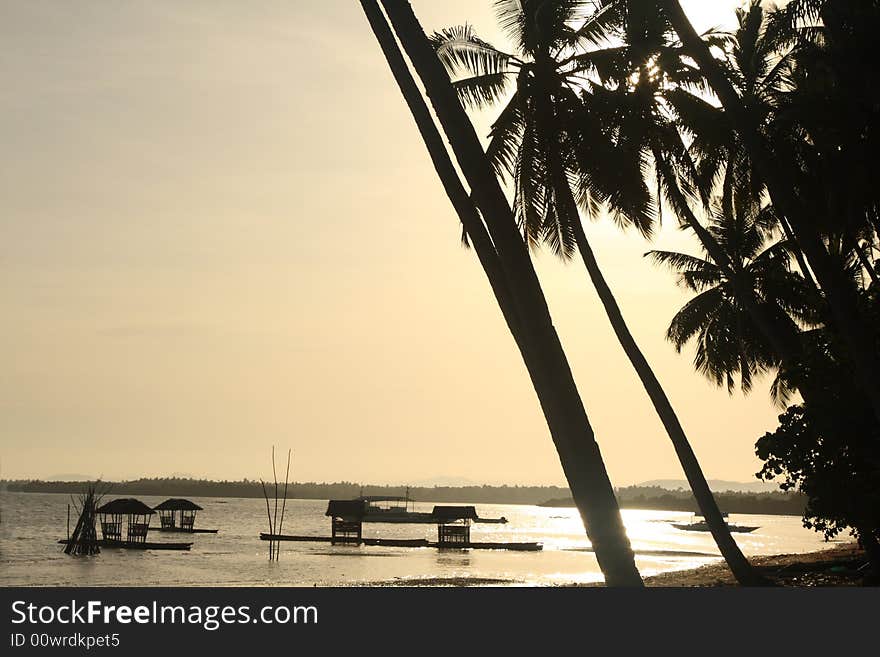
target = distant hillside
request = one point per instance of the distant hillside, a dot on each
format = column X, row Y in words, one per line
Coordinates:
column 655, row 497
column 717, row 485
column 180, row 487
column 641, row 497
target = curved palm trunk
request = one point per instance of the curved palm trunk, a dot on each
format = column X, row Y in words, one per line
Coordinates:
column 868, row 539
column 866, row 261
column 840, row 293
column 510, row 271
column 798, row 254
column 739, row 565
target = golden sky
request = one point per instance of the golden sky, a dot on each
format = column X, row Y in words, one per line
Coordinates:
column 219, row 231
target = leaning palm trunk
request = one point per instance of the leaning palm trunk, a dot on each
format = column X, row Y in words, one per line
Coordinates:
column 839, row 291
column 736, row 561
column 512, row 276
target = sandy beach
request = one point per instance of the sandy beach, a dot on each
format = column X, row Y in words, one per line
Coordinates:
column 841, row 565
column 836, row 566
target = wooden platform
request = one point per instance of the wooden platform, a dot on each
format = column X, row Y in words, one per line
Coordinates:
column 178, row 530
column 409, row 542
column 122, row 545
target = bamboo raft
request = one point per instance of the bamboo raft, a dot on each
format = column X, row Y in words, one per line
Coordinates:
column 407, row 542
column 181, row 530
column 123, row 545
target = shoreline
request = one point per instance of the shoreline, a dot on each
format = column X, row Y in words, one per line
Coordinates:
column 646, row 504
column 835, row 566
column 839, row 566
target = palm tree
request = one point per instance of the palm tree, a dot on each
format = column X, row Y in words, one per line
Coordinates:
column 729, row 343
column 762, row 65
column 510, row 271
column 560, row 139
column 784, row 186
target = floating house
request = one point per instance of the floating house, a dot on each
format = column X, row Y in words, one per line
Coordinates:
column 125, row 520
column 177, row 515
column 454, row 525
column 347, row 518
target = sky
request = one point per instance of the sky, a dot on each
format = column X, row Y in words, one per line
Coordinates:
column 220, row 231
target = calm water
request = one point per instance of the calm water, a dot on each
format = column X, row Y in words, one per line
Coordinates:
column 32, row 523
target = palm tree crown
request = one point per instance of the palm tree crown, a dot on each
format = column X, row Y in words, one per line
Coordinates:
column 553, row 138
column 729, row 344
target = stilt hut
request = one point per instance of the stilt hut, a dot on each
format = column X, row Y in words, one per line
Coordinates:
column 125, row 520
column 454, row 525
column 177, row 514
column 347, row 518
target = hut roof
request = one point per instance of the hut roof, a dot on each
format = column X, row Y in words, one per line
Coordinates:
column 346, row 508
column 443, row 513
column 177, row 504
column 125, row 506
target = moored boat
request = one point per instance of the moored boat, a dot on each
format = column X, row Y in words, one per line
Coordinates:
column 700, row 525
column 400, row 509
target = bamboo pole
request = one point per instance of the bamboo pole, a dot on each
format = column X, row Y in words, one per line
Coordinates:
column 284, row 503
column 275, row 477
column 269, row 515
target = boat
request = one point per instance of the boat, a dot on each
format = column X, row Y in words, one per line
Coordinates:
column 699, row 524
column 182, row 530
column 399, row 509
column 391, row 508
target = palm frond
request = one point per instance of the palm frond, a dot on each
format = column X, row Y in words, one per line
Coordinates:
column 506, row 137
column 693, row 318
column 463, row 52
column 481, row 91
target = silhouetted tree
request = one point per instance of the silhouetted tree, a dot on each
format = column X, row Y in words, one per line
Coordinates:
column 529, row 317
column 778, row 155
column 562, row 136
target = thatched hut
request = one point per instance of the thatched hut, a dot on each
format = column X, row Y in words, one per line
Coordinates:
column 454, row 525
column 125, row 520
column 347, row 517
column 176, row 514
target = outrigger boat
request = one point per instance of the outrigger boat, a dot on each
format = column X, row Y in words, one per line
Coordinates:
column 699, row 524
column 397, row 509
column 390, row 508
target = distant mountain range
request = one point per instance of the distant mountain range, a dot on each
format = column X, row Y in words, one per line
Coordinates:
column 443, row 481
column 717, row 485
column 71, row 477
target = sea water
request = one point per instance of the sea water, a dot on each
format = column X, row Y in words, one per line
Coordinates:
column 32, row 523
